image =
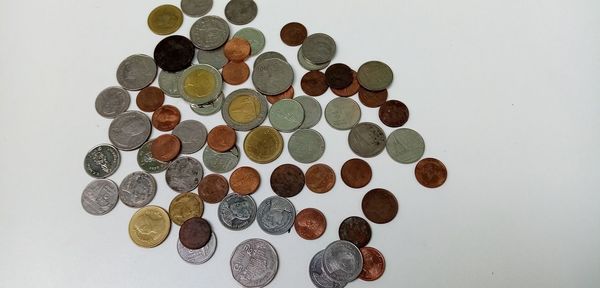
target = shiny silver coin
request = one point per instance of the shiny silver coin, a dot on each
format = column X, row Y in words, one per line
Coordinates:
column 286, row 115
column 241, row 12
column 184, row 174
column 342, row 261
column 318, row 277
column 342, row 113
column 366, row 139
column 244, row 109
column 220, row 162
column 254, row 37
column 276, row 215
column 136, row 72
column 254, row 263
column 306, row 64
column 102, row 161
column 192, row 135
column 269, row 55
column 405, row 145
column 213, row 80
column 196, row 8
column 306, row 145
column 147, row 162
column 237, row 212
column 198, row 256
column 209, row 108
column 272, row 76
column 112, row 101
column 100, row 196
column 375, row 75
column 137, row 189
column 169, row 83
column 209, row 32
column 318, row 48
column 215, row 58
column 312, row 111
column 129, row 130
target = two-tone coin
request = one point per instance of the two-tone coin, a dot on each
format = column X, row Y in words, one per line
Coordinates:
column 200, row 84
column 244, row 109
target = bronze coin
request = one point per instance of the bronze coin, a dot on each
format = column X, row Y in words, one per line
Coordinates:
column 287, row 180
column 393, row 113
column 350, row 90
column 165, row 147
column 338, row 76
column 166, row 117
column 235, row 73
column 293, row 34
column 237, row 49
column 380, row 206
column 150, row 98
column 310, row 223
column 244, row 180
column 195, row 233
column 221, row 138
column 356, row 230
column 287, row 94
column 356, row 173
column 314, row 83
column 320, row 178
column 213, row 188
column 430, row 172
column 373, row 264
column 372, row 99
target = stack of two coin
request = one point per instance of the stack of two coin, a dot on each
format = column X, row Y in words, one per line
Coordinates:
column 337, row 265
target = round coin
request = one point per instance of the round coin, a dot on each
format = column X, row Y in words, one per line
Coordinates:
column 192, row 135
column 129, row 130
column 136, row 72
column 275, row 215
column 215, row 58
column 150, row 98
column 184, row 174
column 220, row 162
column 306, row 145
column 342, row 113
column 165, row 19
column 339, row 76
column 352, row 89
column 209, row 32
column 169, row 83
column 244, row 109
column 366, row 139
column 149, row 226
column 254, row 37
column 166, row 118
column 272, row 76
column 241, row 12
column 237, row 212
column 165, row 147
column 149, row 163
column 185, row 206
column 235, row 73
column 287, row 180
column 342, row 261
column 372, row 99
column 213, row 188
column 312, row 111
column 318, row 48
column 198, row 256
column 200, row 84
column 100, row 197
column 269, row 55
column 287, row 94
column 286, row 115
column 245, row 260
column 244, row 180
column 263, row 144
column 375, row 75
column 320, row 178
column 137, row 189
column 102, row 161
column 308, row 65
column 393, row 113
column 293, row 34
column 431, row 172
column 355, row 230
column 196, row 8
column 380, row 206
column 356, row 173
column 209, row 108
column 174, row 53
column 405, row 145
column 221, row 138
column 310, row 223
column 237, row 49
column 373, row 264
column 314, row 83
column 318, row 277
column 195, row 233
column 112, row 101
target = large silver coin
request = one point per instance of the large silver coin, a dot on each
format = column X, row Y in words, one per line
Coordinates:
column 241, row 12
column 112, row 101
column 306, row 64
column 192, row 135
column 129, row 130
column 342, row 113
column 286, row 115
column 244, row 109
column 375, row 75
column 137, row 189
column 102, row 161
column 312, row 111
column 366, row 139
column 209, row 108
column 318, row 277
column 220, row 162
column 136, row 72
column 254, row 37
column 269, row 55
column 306, row 145
column 237, row 212
column 184, row 174
column 100, row 196
column 196, row 8
column 254, row 263
column 209, row 32
column 169, row 83
column 342, row 261
column 276, row 215
column 318, row 48
column 198, row 256
column 405, row 145
column 147, row 162
column 272, row 76
column 215, row 58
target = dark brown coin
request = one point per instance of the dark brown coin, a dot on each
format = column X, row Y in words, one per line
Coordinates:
column 237, row 49
column 166, row 117
column 287, row 94
column 287, row 180
column 310, row 223
column 150, row 98
column 380, row 206
column 221, row 138
column 372, row 99
column 293, row 34
column 213, row 188
column 393, row 113
column 320, row 178
column 235, row 73
column 174, row 53
column 373, row 264
column 339, row 76
column 244, row 180
column 314, row 83
column 195, row 233
column 356, row 173
column 165, row 147
column 431, row 172
column 350, row 90
column 356, row 230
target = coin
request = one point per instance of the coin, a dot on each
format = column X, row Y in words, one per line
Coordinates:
column 312, row 111
column 209, row 32
column 310, row 223
column 196, row 8
column 166, row 118
column 165, row 19
column 366, row 139
column 165, row 147
column 356, row 173
column 393, row 113
column 314, row 83
column 149, row 226
column 210, row 107
column 198, row 256
column 372, row 99
column 275, row 215
column 100, row 197
column 356, row 230
column 380, row 206
column 338, row 76
column 287, row 94
column 269, row 55
column 244, row 109
column 287, row 180
column 254, row 37
column 286, row 115
column 200, row 84
column 244, row 180
column 241, row 12
column 342, row 113
column 169, row 83
column 318, row 48
column 263, row 144
column 272, row 76
column 149, row 163
column 306, row 64
column 192, row 134
column 293, row 34
column 195, row 233
column 237, row 49
column 215, row 58
column 220, row 162
column 431, row 172
column 150, row 98
column 320, row 178
column 221, row 138
column 136, row 72
column 235, row 73
column 237, row 212
column 129, row 130
column 112, row 101
column 185, row 206
column 342, row 261
column 254, row 263
column 174, row 53
column 375, row 75
column 102, row 161
column 306, row 145
column 405, row 145
column 373, row 264
column 350, row 90
column 137, row 189
column 213, row 188
column 318, row 277
column 183, row 174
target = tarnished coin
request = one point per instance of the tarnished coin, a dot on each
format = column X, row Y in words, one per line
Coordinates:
column 136, row 72
column 150, row 98
column 342, row 261
column 209, row 108
column 196, row 8
column 200, row 84
column 174, row 53
column 185, row 206
column 169, row 83
column 165, row 147
column 137, row 189
column 195, row 233
column 339, row 76
column 198, row 256
column 287, row 180
column 241, row 12
column 254, row 37
column 166, row 118
column 373, row 264
column 310, row 223
column 220, row 162
column 237, row 49
column 129, row 130
column 380, row 206
column 312, row 111
column 244, row 109
column 314, row 83
column 356, row 173
column 342, row 113
column 209, row 32
column 213, row 188
column 393, row 113
column 352, row 89
column 306, row 145
column 102, row 161
column 192, row 134
column 215, row 58
column 112, row 101
column 149, row 163
column 318, row 48
column 149, row 226
column 287, row 94
column 254, row 263
column 165, row 19
column 318, row 277
column 269, row 55
column 221, row 138
column 306, row 64
column 293, row 34
column 366, row 139
column 244, row 180
column 275, row 215
column 405, row 145
column 320, row 178
column 263, row 144
column 184, row 174
column 286, row 115
column 235, row 73
column 100, row 196
column 272, row 76
column 356, row 230
column 372, row 99
column 375, row 75
column 431, row 172
column 237, row 212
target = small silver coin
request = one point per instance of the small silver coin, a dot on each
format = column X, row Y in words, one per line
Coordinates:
column 318, row 277
column 306, row 64
column 245, row 100
column 276, row 215
column 112, row 101
column 306, row 145
column 241, row 12
column 147, row 162
column 254, row 263
column 220, row 162
column 375, row 75
column 254, row 37
column 342, row 261
column 272, row 76
column 196, row 8
column 215, row 58
column 405, row 145
column 237, row 212
column 209, row 32
column 137, row 189
column 286, row 115
column 136, row 72
column 169, row 83
column 209, row 108
column 198, row 256
column 100, row 196
column 269, row 55
column 342, row 113
column 210, row 95
column 318, row 48
column 184, row 174
column 312, row 111
column 129, row 130
column 102, row 161
column 192, row 135
column 366, row 139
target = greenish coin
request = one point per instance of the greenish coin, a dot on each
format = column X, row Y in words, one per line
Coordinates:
column 286, row 115
column 169, row 83
column 375, row 75
column 310, row 66
column 342, row 113
column 366, row 139
column 220, row 162
column 147, row 162
column 215, row 58
column 405, row 145
column 306, row 145
column 269, row 55
column 312, row 111
column 254, row 37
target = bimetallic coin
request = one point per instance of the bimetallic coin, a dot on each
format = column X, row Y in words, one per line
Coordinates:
column 375, row 75
column 287, row 180
column 244, row 109
column 342, row 261
column 196, row 8
column 220, row 162
column 198, row 256
column 254, row 263
column 318, row 48
column 215, row 58
column 241, row 12
column 306, row 145
column 276, row 215
column 318, row 277
column 286, row 115
column 272, row 76
column 254, row 37
column 312, row 111
column 306, row 64
column 137, row 189
column 112, row 101
column 129, row 130
column 169, row 83
column 102, row 161
column 237, row 212
column 373, row 264
column 269, row 55
column 192, row 135
column 147, row 162
column 380, row 206
column 136, row 72
column 149, row 226
column 431, row 172
column 185, row 206
column 263, row 144
column 356, row 230
column 209, row 32
column 366, row 139
column 100, row 196
column 184, row 174
column 405, row 145
column 200, row 84
column 210, row 107
column 342, row 113
column 165, row 19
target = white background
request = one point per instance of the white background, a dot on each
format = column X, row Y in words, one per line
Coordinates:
column 506, row 93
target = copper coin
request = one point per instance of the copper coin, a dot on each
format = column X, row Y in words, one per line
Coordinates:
column 373, row 264
column 380, row 206
column 350, row 90
column 221, row 138
column 293, row 34
column 356, row 173
column 310, row 223
column 237, row 49
column 166, row 117
column 165, row 147
column 320, row 178
column 356, row 230
column 287, row 180
column 287, row 94
column 213, row 188
column 393, row 113
column 372, row 99
column 194, row 233
column 235, row 73
column 430, row 172
column 150, row 98
column 338, row 76
column 314, row 83
column 244, row 180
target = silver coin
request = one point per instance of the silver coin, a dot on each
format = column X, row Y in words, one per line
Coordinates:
column 276, row 215
column 169, row 83
column 306, row 145
column 192, row 135
column 220, row 162
column 254, row 263
column 209, row 108
column 342, row 261
column 237, row 212
column 100, row 196
column 198, row 256
column 241, row 12
column 405, row 145
column 196, row 8
column 286, row 115
column 318, row 48
column 137, row 189
column 312, row 111
column 366, row 139
column 136, row 72
column 375, row 75
column 147, row 162
column 254, row 36
column 318, row 277
column 184, row 174
column 248, row 101
column 209, row 32
column 209, row 96
column 272, row 76
column 215, row 58
column 112, row 101
column 342, row 113
column 306, row 64
column 102, row 161
column 269, row 55
column 129, row 130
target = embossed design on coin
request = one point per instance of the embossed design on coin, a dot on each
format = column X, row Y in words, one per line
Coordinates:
column 184, row 174
column 149, row 226
column 405, row 145
column 220, row 162
column 235, row 73
column 112, row 101
column 320, row 178
column 431, row 172
column 237, row 212
column 263, row 144
column 209, row 108
column 241, row 12
column 213, row 188
column 287, row 180
column 221, row 138
column 254, row 263
column 100, row 197
column 306, row 145
column 195, row 233
column 137, row 189
column 102, row 161
column 276, row 215
column 244, row 109
column 237, row 49
column 209, row 32
column 342, row 261
column 166, row 118
column 244, row 180
column 318, row 277
column 380, row 206
column 149, row 163
column 200, row 84
column 198, row 256
column 342, row 113
column 185, row 206
column 356, row 173
column 196, row 8
column 165, row 19
column 310, row 223
column 169, row 83
column 373, row 264
column 136, row 72
column 286, row 115
column 192, row 135
column 366, row 139
column 272, row 76
column 129, row 130
column 356, row 230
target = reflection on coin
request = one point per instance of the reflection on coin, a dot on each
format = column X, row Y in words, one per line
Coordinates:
column 192, row 135
column 405, row 145
column 166, row 118
column 356, row 230
column 149, row 226
column 220, row 162
column 165, row 19
column 342, row 113
column 373, row 264
column 129, row 130
column 431, row 172
column 198, row 256
column 306, row 64
column 196, row 8
column 237, row 212
column 320, row 178
column 318, row 277
column 184, row 174
column 269, row 55
column 215, row 58
column 195, row 233
column 306, row 145
column 241, row 12
column 149, row 163
column 100, row 196
column 137, row 189
column 185, row 206
column 169, row 83
column 174, row 53
column 136, row 72
column 254, row 37
column 366, row 139
column 272, row 76
column 237, row 49
column 380, row 206
column 102, row 161
column 165, row 147
column 318, row 48
column 221, row 138
column 342, row 261
column 213, row 188
column 276, row 215
column 287, row 180
column 112, row 101
column 244, row 109
column 263, row 144
column 356, row 173
column 310, row 223
column 210, row 107
column 254, row 263
column 200, row 84
column 244, row 180
column 286, row 115
column 209, row 32
column 312, row 111
column 375, row 75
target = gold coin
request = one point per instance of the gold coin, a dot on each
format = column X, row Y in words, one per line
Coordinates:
column 149, row 226
column 244, row 109
column 199, row 84
column 185, row 206
column 165, row 19
column 263, row 144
